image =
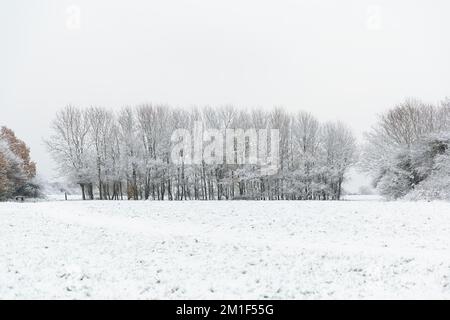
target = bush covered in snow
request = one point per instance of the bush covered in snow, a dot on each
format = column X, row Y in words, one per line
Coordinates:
column 408, row 151
column 436, row 171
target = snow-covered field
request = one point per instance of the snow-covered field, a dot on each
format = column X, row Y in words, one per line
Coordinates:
column 219, row 249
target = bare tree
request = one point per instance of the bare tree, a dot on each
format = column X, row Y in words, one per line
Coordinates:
column 69, row 146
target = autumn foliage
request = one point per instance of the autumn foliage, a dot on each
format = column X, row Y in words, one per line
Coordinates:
column 16, row 168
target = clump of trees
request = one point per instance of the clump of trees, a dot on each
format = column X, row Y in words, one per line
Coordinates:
column 127, row 155
column 408, row 151
column 16, row 168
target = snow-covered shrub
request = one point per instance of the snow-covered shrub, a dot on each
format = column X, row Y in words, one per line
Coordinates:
column 436, row 182
column 405, row 151
column 394, row 184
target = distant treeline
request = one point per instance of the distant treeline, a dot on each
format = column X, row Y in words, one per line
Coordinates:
column 127, row 154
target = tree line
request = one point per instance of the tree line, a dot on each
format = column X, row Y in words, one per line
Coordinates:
column 127, row 154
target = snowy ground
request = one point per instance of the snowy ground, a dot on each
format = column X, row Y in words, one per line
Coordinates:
column 215, row 250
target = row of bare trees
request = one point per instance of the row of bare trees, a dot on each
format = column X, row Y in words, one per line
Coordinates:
column 127, row 154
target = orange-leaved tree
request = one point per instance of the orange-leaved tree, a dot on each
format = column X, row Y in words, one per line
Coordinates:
column 16, row 168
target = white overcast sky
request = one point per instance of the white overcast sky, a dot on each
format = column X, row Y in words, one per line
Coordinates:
column 346, row 60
